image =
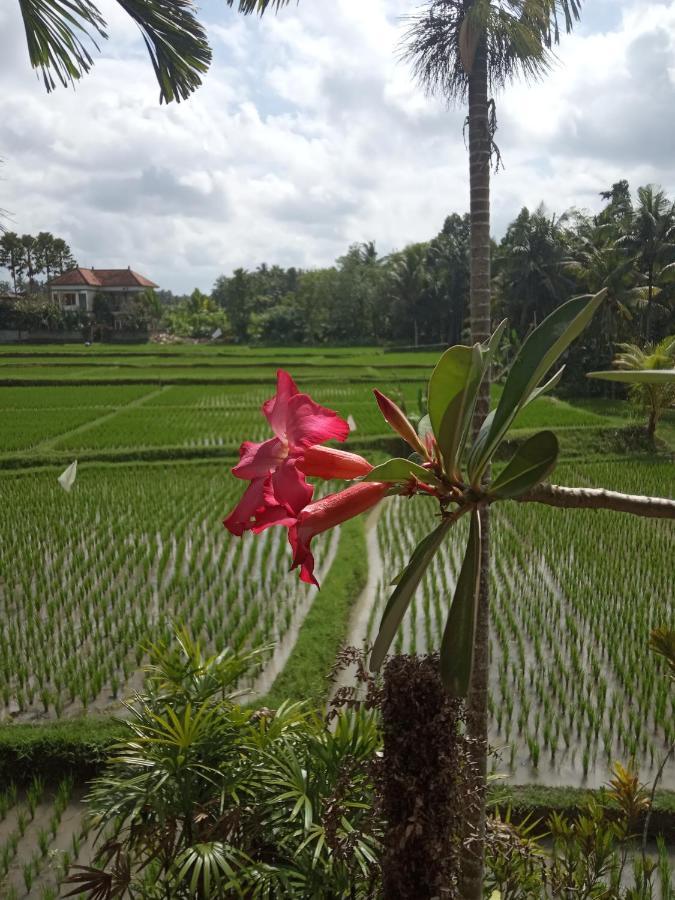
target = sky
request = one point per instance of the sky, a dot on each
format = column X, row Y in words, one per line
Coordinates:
column 309, row 134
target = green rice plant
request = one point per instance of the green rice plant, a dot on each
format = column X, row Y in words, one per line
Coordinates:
column 22, row 820
column 44, row 841
column 29, row 872
column 34, row 795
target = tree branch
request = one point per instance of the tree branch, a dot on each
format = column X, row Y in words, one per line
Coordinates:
column 591, row 498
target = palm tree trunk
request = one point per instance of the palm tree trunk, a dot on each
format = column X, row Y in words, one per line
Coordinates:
column 479, row 169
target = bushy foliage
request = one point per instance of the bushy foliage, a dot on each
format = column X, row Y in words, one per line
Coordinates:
column 206, row 798
column 198, row 317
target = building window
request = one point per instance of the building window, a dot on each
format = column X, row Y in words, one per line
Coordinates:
column 82, row 297
column 68, row 300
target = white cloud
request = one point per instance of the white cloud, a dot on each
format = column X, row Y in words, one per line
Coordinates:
column 308, row 134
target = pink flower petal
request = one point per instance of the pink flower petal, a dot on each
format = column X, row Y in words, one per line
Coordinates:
column 308, row 423
column 304, row 557
column 327, row 513
column 258, row 460
column 273, row 515
column 276, row 408
column 252, row 500
column 290, row 488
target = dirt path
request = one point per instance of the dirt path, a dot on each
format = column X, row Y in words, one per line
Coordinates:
column 284, row 647
column 357, row 633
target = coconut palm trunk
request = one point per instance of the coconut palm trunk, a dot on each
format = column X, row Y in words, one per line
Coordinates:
column 479, row 175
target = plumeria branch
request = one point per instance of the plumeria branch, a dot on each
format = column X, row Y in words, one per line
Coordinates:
column 592, row 498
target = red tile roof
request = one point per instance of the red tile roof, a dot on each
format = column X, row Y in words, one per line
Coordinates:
column 102, row 278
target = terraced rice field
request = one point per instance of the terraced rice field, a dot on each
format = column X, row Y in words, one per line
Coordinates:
column 88, row 578
column 574, row 596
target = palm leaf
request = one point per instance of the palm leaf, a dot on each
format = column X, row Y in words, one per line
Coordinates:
column 257, row 6
column 176, row 42
column 58, row 33
column 55, row 30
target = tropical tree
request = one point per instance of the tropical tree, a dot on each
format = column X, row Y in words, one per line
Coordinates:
column 30, row 259
column 408, row 282
column 599, row 261
column 650, row 373
column 61, row 257
column 529, row 266
column 651, row 239
column 12, row 256
column 448, row 270
column 463, row 50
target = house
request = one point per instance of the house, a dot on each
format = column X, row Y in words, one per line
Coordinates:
column 78, row 288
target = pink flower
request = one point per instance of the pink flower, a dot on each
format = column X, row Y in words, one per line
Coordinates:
column 327, row 513
column 278, row 490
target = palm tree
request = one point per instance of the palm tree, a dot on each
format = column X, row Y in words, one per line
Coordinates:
column 463, row 50
column 655, row 398
column 598, row 260
column 530, row 268
column 652, row 239
column 408, row 279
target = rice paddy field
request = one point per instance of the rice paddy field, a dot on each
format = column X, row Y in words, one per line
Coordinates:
column 88, row 578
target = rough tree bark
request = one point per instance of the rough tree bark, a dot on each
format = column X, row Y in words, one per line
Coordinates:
column 423, row 782
column 480, row 143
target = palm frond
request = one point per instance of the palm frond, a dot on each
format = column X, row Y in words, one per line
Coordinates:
column 60, row 34
column 516, row 33
column 56, row 31
column 177, row 44
column 257, row 6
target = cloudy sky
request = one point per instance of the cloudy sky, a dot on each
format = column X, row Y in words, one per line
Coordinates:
column 308, row 135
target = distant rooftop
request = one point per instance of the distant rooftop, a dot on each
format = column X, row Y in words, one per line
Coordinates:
column 102, row 278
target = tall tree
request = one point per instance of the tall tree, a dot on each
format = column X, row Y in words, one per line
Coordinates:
column 30, row 259
column 652, row 239
column 62, row 259
column 408, row 281
column 464, row 49
column 448, row 267
column 12, row 256
column 44, row 253
column 530, row 269
column 597, row 260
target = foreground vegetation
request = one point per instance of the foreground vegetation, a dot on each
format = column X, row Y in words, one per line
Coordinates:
column 101, row 586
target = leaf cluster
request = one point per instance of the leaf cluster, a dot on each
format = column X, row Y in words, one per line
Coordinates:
column 447, row 464
column 205, row 798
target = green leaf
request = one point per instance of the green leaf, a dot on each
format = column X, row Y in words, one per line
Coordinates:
column 424, row 427
column 401, row 470
column 405, row 589
column 492, row 345
column 667, row 274
column 460, row 628
column 544, row 388
column 452, row 395
column 531, row 463
column 641, row 376
column 536, row 356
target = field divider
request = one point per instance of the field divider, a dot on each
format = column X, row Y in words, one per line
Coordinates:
column 324, row 630
column 139, row 401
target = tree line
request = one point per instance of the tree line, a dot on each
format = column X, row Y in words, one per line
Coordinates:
column 26, row 257
column 420, row 294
